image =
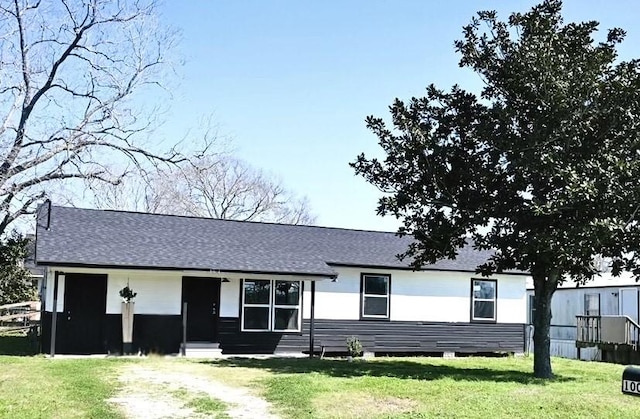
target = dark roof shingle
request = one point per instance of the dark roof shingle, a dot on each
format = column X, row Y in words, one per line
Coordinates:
column 128, row 239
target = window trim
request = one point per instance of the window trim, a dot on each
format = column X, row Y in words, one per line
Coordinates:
column 275, row 306
column 363, row 275
column 532, row 308
column 271, row 306
column 584, row 303
column 495, row 302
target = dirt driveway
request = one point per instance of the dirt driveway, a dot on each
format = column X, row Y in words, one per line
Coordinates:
column 153, row 390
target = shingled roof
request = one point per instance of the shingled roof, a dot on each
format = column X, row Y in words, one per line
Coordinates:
column 86, row 237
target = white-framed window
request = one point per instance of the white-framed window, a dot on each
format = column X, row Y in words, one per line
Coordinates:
column 271, row 305
column 592, row 304
column 483, row 299
column 376, row 289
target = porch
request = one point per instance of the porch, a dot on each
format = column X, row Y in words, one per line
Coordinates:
column 618, row 337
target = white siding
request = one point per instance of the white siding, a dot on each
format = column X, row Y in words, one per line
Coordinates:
column 49, row 292
column 415, row 296
column 567, row 303
column 567, row 349
column 230, row 298
column 339, row 300
column 419, row 296
column 158, row 292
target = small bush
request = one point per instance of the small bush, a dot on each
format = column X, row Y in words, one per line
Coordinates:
column 354, row 347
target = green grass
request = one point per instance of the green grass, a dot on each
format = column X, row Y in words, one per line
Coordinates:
column 212, row 407
column 433, row 387
column 202, row 403
column 37, row 387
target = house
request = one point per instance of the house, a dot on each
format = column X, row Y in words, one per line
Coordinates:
column 254, row 287
column 605, row 295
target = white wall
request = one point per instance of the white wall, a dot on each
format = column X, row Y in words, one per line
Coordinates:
column 158, row 292
column 48, row 292
column 230, row 298
column 567, row 303
column 415, row 296
column 599, row 281
column 567, row 349
column 418, row 296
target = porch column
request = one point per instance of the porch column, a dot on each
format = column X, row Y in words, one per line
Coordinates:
column 313, row 315
column 54, row 315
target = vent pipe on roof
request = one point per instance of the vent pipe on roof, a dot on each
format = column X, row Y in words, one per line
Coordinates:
column 46, row 226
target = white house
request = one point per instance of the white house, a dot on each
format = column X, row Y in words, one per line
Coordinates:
column 263, row 288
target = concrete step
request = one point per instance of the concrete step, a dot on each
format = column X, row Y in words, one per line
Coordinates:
column 202, row 350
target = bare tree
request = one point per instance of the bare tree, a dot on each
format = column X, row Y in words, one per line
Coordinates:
column 213, row 186
column 70, row 74
column 136, row 191
column 228, row 188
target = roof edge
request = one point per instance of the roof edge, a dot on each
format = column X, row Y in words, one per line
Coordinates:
column 408, row 268
column 175, row 268
column 226, row 220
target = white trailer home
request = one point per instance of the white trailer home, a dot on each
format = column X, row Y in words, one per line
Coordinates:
column 606, row 296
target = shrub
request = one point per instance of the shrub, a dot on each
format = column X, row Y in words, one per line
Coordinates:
column 354, row 347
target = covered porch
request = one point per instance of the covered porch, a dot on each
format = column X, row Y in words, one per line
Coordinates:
column 193, row 313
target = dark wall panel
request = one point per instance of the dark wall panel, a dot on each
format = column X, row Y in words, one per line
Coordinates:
column 151, row 333
column 378, row 336
column 163, row 334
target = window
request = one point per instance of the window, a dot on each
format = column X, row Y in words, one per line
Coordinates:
column 592, row 304
column 532, row 308
column 375, row 296
column 271, row 305
column 483, row 300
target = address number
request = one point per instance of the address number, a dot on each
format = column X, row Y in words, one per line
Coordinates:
column 629, row 386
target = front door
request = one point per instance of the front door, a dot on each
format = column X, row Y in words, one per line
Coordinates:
column 629, row 303
column 202, row 296
column 85, row 302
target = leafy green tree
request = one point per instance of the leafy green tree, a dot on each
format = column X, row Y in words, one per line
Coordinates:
column 542, row 166
column 16, row 284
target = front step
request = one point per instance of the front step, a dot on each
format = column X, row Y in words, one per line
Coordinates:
column 201, row 350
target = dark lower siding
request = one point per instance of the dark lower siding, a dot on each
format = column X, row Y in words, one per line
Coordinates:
column 379, row 336
column 151, row 334
column 163, row 334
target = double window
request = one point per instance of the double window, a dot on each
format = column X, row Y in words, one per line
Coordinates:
column 271, row 305
column 376, row 290
column 483, row 300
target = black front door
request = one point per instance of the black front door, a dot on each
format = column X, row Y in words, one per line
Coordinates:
column 85, row 302
column 202, row 296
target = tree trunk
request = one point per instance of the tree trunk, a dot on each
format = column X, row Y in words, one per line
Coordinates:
column 544, row 287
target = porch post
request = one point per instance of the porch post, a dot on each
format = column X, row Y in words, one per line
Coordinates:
column 54, row 315
column 313, row 315
column 183, row 350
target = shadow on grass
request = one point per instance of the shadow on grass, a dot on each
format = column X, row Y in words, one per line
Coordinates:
column 17, row 345
column 397, row 368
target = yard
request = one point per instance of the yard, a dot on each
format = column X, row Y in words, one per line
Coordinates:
column 37, row 387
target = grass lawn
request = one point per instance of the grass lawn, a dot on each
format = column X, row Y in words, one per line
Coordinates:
column 433, row 387
column 37, row 387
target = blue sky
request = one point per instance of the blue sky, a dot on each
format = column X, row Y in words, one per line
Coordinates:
column 291, row 82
